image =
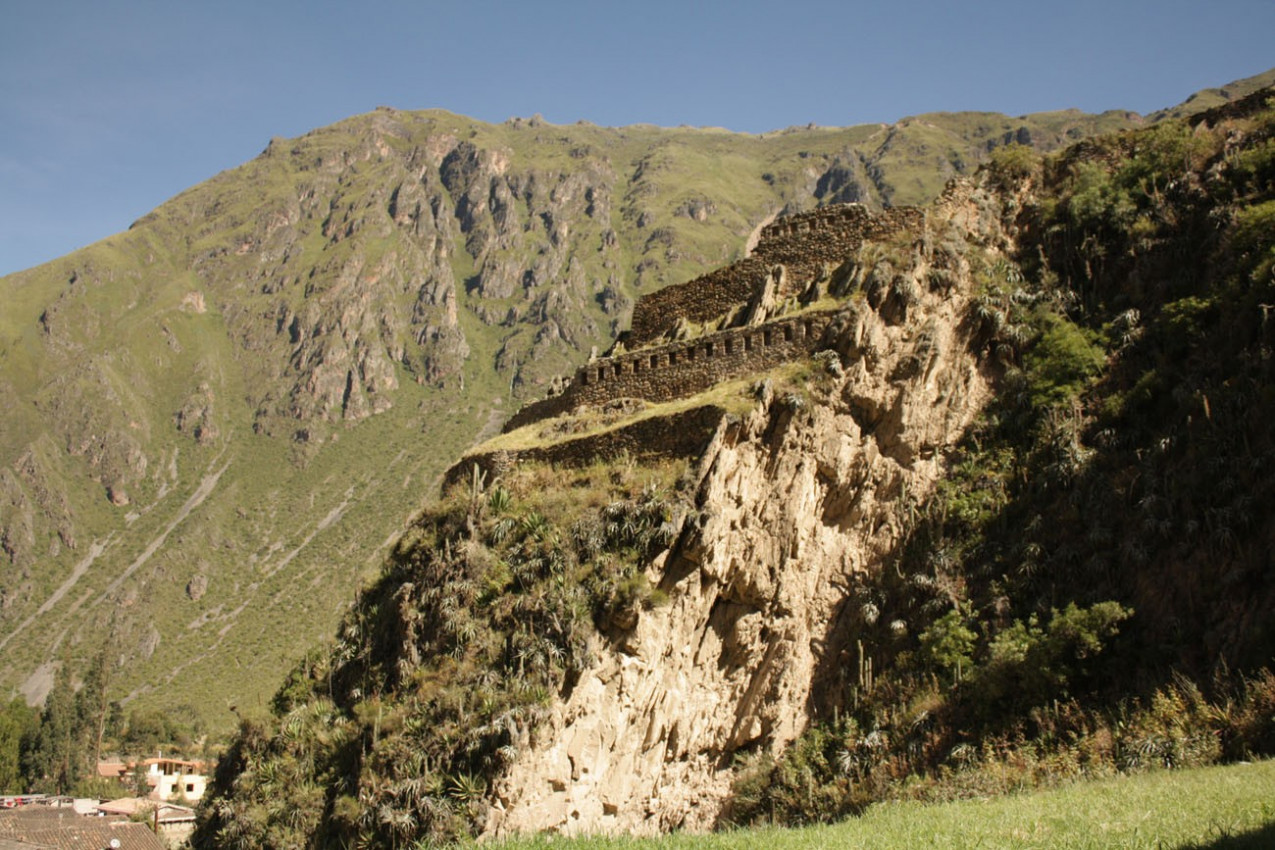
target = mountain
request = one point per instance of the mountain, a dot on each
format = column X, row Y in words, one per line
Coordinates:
column 927, row 502
column 1213, row 98
column 221, row 420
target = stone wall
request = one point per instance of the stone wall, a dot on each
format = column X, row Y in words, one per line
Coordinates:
column 803, row 244
column 684, row 434
column 699, row 300
column 684, row 368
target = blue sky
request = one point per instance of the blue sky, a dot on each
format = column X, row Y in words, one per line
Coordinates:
column 109, row 108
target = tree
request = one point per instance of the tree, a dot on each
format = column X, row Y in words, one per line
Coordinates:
column 18, row 722
column 1029, row 665
column 1012, row 163
column 147, row 730
column 66, row 743
column 92, row 705
column 52, row 760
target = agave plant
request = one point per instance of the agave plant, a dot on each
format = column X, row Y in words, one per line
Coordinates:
column 465, row 787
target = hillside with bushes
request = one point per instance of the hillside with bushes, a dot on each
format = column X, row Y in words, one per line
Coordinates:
column 1007, row 526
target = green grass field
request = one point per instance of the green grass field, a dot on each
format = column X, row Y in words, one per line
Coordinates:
column 1220, row 808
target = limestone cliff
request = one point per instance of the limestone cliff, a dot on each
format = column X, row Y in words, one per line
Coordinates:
column 799, row 498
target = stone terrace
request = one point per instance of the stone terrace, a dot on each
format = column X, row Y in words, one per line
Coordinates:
column 681, row 369
column 682, row 435
column 803, row 244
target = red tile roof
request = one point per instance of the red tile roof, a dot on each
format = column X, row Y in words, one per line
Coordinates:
column 64, row 830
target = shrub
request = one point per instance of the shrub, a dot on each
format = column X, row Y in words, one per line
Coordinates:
column 1248, row 718
column 948, row 644
column 1162, row 154
column 1029, row 665
column 1176, row 730
column 1095, row 202
column 1062, row 362
column 1012, row 163
column 1255, row 167
column 1254, row 241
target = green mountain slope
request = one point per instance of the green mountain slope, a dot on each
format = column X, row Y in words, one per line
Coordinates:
column 219, row 420
column 1213, row 98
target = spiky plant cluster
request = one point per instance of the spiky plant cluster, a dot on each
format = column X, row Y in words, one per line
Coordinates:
column 442, row 670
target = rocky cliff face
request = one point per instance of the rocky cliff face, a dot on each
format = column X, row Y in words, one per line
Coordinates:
column 801, row 498
column 247, row 385
column 516, row 656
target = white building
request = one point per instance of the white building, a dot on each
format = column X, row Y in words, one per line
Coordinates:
column 175, row 779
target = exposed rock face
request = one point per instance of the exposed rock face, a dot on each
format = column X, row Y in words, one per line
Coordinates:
column 298, row 323
column 800, row 497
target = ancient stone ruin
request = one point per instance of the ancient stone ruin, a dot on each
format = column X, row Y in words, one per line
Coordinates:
column 803, row 245
column 683, row 368
column 757, row 309
column 792, row 254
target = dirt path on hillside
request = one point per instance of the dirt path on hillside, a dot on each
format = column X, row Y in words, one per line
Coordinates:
column 96, row 549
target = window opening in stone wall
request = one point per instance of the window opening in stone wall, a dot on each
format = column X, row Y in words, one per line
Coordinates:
column 730, row 346
column 768, row 337
column 619, row 369
column 788, row 334
column 748, row 343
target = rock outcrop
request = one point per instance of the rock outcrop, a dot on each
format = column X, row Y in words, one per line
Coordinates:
column 800, row 497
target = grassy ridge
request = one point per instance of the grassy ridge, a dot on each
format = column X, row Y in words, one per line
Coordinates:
column 1224, row 808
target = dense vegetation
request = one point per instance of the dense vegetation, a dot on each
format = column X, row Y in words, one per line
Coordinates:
column 1089, row 590
column 443, row 668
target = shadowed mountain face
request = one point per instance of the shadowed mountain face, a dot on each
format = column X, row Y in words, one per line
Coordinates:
column 218, row 421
